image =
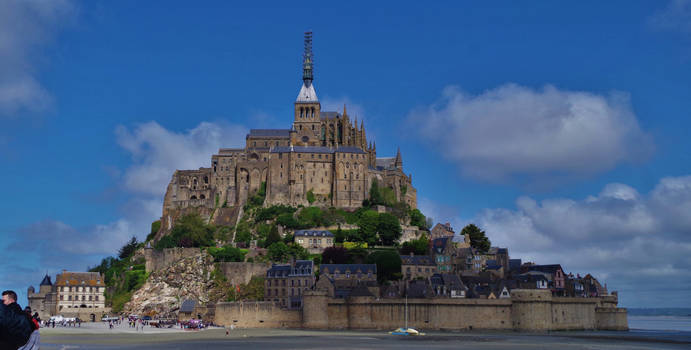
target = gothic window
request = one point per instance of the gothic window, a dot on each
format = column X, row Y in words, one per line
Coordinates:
column 312, row 126
column 202, row 196
column 193, row 197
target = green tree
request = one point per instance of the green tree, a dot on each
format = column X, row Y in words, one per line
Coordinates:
column 155, row 226
column 310, row 197
column 273, row 236
column 227, row 253
column 388, row 265
column 417, row 246
column 128, row 249
column 478, row 239
column 311, row 217
column 278, row 252
column 298, row 252
column 335, row 255
column 389, row 228
column 418, row 219
column 368, row 226
column 288, row 221
column 375, row 196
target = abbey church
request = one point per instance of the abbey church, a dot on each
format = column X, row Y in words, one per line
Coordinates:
column 324, row 157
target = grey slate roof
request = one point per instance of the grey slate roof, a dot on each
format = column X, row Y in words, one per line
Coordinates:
column 329, row 115
column 301, row 268
column 313, row 233
column 302, row 149
column 514, row 264
column 439, row 244
column 386, row 163
column 551, row 269
column 188, row 305
column 349, row 149
column 269, row 133
column 316, row 149
column 418, row 260
column 353, row 268
column 46, row 281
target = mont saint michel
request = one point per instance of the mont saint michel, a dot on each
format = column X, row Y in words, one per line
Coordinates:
column 448, row 175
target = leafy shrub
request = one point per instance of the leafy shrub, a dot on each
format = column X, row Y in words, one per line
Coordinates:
column 288, row 221
column 388, row 265
column 310, row 197
column 189, row 231
column 227, row 253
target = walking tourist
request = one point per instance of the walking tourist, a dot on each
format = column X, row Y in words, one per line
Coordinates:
column 35, row 338
column 15, row 327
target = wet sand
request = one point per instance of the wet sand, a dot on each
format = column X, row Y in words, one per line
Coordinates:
column 98, row 336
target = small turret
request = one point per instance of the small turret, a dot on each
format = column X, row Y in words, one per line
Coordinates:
column 398, row 163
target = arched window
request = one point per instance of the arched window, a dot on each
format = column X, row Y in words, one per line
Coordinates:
column 202, row 196
column 193, row 197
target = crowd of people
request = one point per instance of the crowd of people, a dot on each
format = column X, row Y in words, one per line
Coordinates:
column 18, row 328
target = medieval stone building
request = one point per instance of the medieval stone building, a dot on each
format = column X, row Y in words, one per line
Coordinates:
column 324, row 155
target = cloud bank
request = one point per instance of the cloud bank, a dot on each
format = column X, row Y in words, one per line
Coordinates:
column 676, row 16
column 638, row 243
column 25, row 29
column 518, row 131
column 157, row 152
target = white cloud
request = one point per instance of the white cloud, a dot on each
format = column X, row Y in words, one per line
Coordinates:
column 514, row 130
column 630, row 240
column 157, row 152
column 675, row 16
column 25, row 28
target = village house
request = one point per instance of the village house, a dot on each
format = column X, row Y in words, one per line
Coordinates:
column 554, row 274
column 285, row 283
column 315, row 241
column 417, row 267
column 443, row 251
column 344, row 280
column 448, row 285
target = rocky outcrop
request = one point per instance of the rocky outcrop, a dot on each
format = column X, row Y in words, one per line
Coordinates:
column 188, row 278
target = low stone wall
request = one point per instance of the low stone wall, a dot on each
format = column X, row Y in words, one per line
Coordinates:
column 257, row 314
column 86, row 314
column 611, row 319
column 157, row 260
column 526, row 310
column 240, row 272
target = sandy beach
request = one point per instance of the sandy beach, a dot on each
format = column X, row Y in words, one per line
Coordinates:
column 99, row 336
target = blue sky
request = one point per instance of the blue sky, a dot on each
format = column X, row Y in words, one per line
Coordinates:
column 561, row 129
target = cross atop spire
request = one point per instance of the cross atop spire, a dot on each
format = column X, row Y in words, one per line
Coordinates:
column 307, row 64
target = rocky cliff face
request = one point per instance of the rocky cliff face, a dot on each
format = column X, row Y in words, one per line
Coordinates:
column 188, row 278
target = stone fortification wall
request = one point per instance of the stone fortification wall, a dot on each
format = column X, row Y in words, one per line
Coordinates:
column 157, row 260
column 86, row 314
column 611, row 319
column 430, row 314
column 240, row 272
column 526, row 310
column 257, row 314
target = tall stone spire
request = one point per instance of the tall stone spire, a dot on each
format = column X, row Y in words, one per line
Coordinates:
column 307, row 93
column 398, row 162
column 307, row 63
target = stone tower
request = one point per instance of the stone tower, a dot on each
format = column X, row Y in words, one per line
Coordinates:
column 307, row 125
